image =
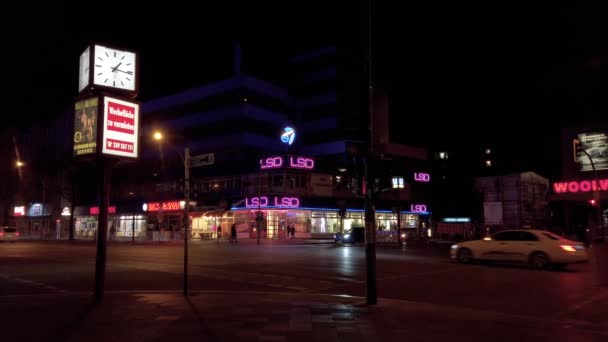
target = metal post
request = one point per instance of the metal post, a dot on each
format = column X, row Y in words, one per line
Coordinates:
column 102, row 227
column 71, row 222
column 133, row 230
column 259, row 213
column 187, row 213
column 370, row 240
column 399, row 226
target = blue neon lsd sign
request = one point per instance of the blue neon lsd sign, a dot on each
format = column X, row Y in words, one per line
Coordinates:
column 288, row 136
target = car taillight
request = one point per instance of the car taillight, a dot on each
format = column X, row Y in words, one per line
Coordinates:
column 1, row 233
column 568, row 248
column 17, row 233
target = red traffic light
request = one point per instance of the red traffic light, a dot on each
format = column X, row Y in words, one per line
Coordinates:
column 593, row 202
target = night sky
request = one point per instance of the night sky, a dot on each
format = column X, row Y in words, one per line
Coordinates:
column 458, row 75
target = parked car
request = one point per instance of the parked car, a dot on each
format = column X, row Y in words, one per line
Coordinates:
column 353, row 235
column 538, row 248
column 9, row 234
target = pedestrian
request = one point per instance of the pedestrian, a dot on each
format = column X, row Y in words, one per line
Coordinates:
column 233, row 233
column 219, row 233
column 112, row 232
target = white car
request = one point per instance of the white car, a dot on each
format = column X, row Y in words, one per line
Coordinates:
column 9, row 234
column 538, row 248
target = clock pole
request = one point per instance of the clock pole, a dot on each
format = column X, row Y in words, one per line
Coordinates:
column 102, row 227
column 96, row 137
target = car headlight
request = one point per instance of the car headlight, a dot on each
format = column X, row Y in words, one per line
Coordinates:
column 454, row 246
column 347, row 236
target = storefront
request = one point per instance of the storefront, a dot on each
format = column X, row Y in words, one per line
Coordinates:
column 205, row 223
column 320, row 222
column 129, row 226
column 164, row 219
column 85, row 221
column 34, row 221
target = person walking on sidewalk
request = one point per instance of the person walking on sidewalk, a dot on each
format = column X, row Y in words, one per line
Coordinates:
column 233, row 233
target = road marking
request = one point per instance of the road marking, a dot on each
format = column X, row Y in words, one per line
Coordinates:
column 34, row 283
column 582, row 304
column 420, row 274
column 265, row 279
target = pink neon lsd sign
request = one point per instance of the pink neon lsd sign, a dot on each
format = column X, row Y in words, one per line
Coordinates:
column 422, row 177
column 265, row 201
column 294, row 162
column 418, row 208
column 580, row 186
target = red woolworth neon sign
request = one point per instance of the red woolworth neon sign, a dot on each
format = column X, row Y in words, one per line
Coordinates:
column 292, row 162
column 265, row 201
column 580, row 186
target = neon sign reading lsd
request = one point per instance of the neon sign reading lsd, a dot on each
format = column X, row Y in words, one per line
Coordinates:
column 418, row 208
column 265, row 201
column 422, row 177
column 292, row 162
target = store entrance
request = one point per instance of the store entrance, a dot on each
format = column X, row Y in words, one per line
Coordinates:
column 275, row 220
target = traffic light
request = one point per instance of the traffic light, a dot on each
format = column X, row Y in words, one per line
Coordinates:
column 593, row 202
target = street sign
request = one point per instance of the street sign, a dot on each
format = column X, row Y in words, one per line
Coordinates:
column 202, row 160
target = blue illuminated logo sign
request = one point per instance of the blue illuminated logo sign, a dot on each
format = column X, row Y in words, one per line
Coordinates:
column 288, row 136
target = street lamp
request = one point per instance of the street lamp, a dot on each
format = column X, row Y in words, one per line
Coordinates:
column 158, row 136
column 596, row 199
column 19, row 163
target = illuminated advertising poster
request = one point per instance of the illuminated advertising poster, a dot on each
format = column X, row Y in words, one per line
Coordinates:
column 596, row 145
column 120, row 128
column 85, row 127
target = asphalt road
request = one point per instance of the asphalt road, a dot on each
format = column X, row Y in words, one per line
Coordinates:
column 417, row 275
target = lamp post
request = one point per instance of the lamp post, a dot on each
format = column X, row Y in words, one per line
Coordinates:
column 158, row 136
column 600, row 218
column 369, row 160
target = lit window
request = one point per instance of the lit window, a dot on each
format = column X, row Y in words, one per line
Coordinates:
column 488, row 151
column 398, row 183
column 488, row 163
column 443, row 155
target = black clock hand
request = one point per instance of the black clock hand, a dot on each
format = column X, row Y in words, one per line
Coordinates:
column 126, row 72
column 116, row 67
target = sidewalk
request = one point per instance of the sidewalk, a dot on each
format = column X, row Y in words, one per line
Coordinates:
column 214, row 316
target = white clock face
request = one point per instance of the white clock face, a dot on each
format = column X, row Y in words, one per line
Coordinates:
column 83, row 74
column 114, row 68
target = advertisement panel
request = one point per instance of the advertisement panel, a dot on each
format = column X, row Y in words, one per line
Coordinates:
column 596, row 145
column 120, row 128
column 85, row 127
